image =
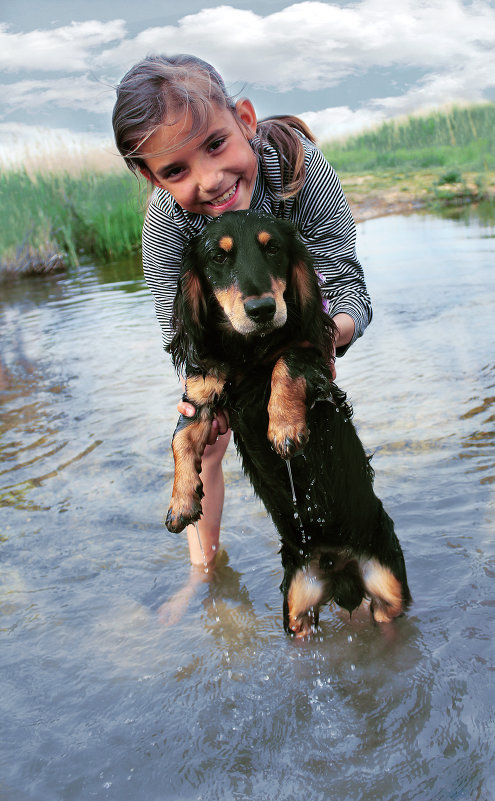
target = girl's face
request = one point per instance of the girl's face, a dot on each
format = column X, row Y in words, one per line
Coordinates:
column 213, row 173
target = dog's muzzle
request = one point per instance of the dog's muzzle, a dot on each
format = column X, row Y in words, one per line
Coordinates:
column 260, row 310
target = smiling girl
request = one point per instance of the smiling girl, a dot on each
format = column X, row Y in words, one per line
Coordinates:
column 206, row 154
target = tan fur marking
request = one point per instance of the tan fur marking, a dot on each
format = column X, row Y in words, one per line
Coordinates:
column 226, row 243
column 278, row 288
column 188, row 447
column 287, row 411
column 204, row 390
column 228, row 299
column 304, row 598
column 385, row 591
column 264, row 237
column 305, row 591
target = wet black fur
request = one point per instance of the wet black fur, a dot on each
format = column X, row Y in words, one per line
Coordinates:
column 338, row 519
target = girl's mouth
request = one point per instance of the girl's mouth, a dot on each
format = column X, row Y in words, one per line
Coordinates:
column 226, row 199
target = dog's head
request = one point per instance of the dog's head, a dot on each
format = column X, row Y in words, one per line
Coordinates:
column 247, row 275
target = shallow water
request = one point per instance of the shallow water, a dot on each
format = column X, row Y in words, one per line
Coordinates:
column 100, row 699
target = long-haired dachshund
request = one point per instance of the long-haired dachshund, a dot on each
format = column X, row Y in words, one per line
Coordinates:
column 252, row 337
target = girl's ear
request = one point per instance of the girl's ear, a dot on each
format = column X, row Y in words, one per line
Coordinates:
column 246, row 113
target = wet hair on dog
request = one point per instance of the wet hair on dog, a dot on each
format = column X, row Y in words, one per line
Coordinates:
column 252, row 336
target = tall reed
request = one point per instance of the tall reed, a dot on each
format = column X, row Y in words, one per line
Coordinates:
column 98, row 215
column 461, row 137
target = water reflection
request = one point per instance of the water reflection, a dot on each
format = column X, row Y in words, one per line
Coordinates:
column 102, row 698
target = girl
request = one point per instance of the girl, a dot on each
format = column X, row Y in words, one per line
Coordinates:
column 206, row 154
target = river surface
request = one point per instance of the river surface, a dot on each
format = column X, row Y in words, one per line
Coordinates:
column 126, row 677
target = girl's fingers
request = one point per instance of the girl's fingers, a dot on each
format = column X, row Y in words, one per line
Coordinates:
column 187, row 409
column 223, row 421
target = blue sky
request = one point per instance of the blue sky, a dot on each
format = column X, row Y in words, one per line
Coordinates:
column 339, row 65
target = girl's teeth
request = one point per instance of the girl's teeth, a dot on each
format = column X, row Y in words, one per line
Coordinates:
column 223, row 198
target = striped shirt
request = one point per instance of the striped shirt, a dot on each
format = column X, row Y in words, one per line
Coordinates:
column 319, row 211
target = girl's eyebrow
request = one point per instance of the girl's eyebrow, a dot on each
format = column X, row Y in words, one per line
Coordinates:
column 212, row 135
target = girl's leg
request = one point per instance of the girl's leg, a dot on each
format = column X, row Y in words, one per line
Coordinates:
column 212, row 503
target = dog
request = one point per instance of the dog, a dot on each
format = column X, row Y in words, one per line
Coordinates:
column 252, row 337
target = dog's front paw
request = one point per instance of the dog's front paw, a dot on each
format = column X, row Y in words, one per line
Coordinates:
column 288, row 440
column 184, row 511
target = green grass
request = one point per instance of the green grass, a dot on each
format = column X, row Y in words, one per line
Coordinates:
column 460, row 138
column 97, row 215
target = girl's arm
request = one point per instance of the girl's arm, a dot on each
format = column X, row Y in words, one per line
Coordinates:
column 326, row 226
column 163, row 244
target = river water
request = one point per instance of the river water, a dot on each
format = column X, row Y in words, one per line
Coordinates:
column 124, row 676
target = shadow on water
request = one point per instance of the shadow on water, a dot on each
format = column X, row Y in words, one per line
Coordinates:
column 127, row 676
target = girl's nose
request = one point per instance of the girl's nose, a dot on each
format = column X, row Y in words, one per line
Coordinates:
column 209, row 180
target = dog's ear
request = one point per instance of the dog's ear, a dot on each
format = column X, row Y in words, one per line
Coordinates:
column 190, row 308
column 305, row 293
column 303, row 282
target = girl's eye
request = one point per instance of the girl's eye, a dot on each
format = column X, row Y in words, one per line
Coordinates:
column 173, row 173
column 216, row 144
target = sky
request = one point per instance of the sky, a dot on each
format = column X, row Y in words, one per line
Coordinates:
column 342, row 66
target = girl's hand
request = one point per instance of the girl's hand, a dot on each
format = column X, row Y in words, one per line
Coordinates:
column 219, row 425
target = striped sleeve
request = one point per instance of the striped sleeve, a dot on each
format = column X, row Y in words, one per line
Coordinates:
column 163, row 243
column 327, row 228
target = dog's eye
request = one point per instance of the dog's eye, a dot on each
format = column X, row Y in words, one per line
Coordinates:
column 272, row 248
column 220, row 258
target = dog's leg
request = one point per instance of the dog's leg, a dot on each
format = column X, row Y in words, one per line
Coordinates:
column 385, row 591
column 302, row 603
column 287, row 428
column 188, row 444
column 384, row 572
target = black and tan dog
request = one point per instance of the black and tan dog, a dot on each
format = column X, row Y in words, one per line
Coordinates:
column 252, row 336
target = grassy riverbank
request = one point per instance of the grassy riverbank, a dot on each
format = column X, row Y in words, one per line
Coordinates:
column 446, row 157
column 53, row 217
column 58, row 217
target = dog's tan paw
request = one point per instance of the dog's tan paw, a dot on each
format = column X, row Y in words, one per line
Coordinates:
column 288, row 440
column 303, row 602
column 182, row 512
column 303, row 626
column 385, row 592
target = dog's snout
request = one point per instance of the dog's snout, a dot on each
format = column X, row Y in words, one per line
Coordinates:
column 261, row 310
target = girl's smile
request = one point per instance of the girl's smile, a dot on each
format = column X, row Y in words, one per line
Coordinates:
column 214, row 172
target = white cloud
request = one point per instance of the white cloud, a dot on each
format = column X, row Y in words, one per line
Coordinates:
column 312, row 45
column 69, row 48
column 305, row 46
column 332, row 123
column 76, row 93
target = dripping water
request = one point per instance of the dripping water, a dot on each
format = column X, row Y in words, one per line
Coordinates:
column 294, row 501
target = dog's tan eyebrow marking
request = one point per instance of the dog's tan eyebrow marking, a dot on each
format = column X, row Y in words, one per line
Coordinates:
column 264, row 237
column 226, row 243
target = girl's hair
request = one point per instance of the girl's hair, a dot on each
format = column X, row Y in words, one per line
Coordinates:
column 163, row 88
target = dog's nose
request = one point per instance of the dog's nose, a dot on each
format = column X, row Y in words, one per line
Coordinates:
column 261, row 310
